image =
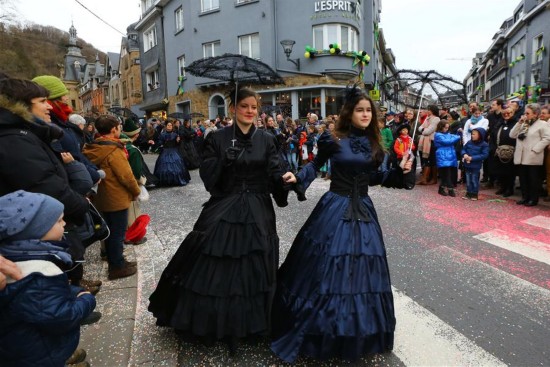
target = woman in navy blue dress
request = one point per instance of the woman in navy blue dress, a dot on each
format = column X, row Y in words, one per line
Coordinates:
column 169, row 167
column 334, row 295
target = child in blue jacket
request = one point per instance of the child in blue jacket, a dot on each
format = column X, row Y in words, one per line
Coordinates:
column 445, row 156
column 474, row 153
column 40, row 313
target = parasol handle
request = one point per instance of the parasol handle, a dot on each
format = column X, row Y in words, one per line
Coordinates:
column 417, row 118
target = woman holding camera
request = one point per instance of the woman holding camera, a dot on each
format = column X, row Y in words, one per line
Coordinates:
column 533, row 135
column 502, row 161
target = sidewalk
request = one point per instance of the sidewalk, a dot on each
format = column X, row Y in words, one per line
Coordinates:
column 108, row 342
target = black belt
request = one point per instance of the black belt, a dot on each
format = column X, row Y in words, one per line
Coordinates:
column 357, row 209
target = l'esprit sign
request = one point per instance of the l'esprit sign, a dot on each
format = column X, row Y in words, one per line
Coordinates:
column 337, row 5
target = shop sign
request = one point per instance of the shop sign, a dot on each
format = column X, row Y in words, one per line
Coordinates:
column 339, row 5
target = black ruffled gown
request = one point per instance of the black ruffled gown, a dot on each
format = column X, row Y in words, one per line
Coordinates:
column 187, row 148
column 170, row 168
column 221, row 281
column 334, row 296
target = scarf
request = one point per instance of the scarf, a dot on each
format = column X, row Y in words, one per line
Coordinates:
column 115, row 141
column 36, row 250
column 402, row 145
column 524, row 129
column 60, row 110
column 474, row 120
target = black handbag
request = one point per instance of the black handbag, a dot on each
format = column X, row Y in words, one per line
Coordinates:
column 94, row 228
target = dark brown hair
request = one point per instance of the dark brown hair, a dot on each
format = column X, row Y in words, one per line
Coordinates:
column 21, row 90
column 343, row 124
column 242, row 93
column 105, row 123
column 441, row 125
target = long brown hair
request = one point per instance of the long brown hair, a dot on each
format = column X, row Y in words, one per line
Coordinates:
column 343, row 124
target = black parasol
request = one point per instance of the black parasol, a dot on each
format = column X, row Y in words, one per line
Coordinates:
column 124, row 112
column 408, row 87
column 236, row 69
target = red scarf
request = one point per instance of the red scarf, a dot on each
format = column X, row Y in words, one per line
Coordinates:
column 60, row 110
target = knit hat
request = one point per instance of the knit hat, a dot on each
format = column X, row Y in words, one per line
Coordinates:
column 401, row 127
column 27, row 216
column 53, row 84
column 130, row 128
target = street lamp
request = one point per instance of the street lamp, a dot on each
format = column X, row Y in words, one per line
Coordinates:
column 287, row 48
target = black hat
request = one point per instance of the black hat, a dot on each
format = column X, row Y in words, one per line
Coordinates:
column 401, row 127
column 130, row 128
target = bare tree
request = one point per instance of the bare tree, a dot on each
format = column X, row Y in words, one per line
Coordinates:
column 8, row 10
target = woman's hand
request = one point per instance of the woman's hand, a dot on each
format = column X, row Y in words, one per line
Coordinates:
column 67, row 157
column 8, row 269
column 289, row 178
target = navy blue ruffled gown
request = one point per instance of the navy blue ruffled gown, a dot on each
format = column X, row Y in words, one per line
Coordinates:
column 334, row 296
column 170, row 168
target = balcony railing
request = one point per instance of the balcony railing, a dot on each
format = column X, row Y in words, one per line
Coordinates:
column 501, row 65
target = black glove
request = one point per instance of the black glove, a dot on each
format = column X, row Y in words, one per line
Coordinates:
column 299, row 190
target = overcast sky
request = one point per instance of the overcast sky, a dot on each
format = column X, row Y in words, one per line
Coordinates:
column 423, row 34
column 443, row 35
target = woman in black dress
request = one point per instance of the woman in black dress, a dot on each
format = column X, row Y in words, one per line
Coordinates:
column 187, row 147
column 221, row 281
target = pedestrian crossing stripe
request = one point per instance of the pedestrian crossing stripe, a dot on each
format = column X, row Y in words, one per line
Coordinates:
column 423, row 339
column 533, row 249
column 539, row 221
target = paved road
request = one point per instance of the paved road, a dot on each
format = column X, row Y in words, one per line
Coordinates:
column 471, row 283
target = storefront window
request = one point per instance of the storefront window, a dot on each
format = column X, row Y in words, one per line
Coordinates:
column 332, row 106
column 309, row 101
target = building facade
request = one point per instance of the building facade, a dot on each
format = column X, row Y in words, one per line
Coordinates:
column 517, row 64
column 129, row 71
column 174, row 33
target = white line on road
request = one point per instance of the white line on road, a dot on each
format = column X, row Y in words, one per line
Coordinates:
column 422, row 339
column 532, row 249
column 539, row 221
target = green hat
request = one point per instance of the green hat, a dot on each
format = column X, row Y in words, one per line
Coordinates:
column 53, row 84
column 130, row 128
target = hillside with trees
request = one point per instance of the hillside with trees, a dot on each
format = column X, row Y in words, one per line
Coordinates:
column 31, row 49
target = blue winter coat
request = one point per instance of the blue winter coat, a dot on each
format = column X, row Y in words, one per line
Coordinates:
column 40, row 317
column 445, row 153
column 71, row 141
column 478, row 150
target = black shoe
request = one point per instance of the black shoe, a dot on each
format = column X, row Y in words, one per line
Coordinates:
column 452, row 193
column 441, row 191
column 522, row 201
column 531, row 203
column 91, row 318
column 232, row 345
column 79, row 355
column 500, row 191
column 507, row 194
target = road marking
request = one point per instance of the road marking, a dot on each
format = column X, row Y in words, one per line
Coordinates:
column 422, row 339
column 539, row 221
column 532, row 249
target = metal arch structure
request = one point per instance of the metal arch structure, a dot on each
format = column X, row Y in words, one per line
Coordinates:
column 430, row 82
